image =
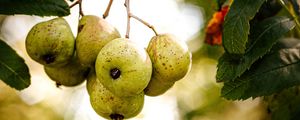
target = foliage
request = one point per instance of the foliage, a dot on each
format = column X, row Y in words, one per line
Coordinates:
column 264, row 35
column 34, row 7
column 261, row 58
column 14, row 71
column 236, row 25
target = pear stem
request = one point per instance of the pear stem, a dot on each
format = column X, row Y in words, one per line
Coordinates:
column 106, row 13
column 128, row 18
column 130, row 15
column 79, row 2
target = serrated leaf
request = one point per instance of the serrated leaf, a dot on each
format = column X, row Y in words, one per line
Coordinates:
column 236, row 25
column 35, row 7
column 263, row 36
column 13, row 70
column 274, row 72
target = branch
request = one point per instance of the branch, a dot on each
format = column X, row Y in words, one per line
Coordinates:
column 128, row 18
column 144, row 22
column 106, row 13
column 129, row 15
column 79, row 2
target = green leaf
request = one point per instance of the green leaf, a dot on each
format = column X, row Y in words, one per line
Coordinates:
column 236, row 25
column 263, row 36
column 13, row 70
column 35, row 7
column 274, row 72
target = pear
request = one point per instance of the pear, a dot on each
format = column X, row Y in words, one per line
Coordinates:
column 157, row 87
column 171, row 60
column 123, row 67
column 51, row 43
column 71, row 74
column 110, row 106
column 93, row 34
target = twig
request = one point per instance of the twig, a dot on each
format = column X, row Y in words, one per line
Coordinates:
column 145, row 23
column 106, row 13
column 128, row 18
column 129, row 15
column 79, row 2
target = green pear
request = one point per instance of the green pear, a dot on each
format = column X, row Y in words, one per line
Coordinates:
column 123, row 67
column 71, row 74
column 93, row 34
column 171, row 60
column 157, row 87
column 110, row 106
column 51, row 43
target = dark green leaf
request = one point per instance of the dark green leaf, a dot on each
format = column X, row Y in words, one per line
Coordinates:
column 35, row 7
column 263, row 36
column 13, row 70
column 236, row 25
column 274, row 72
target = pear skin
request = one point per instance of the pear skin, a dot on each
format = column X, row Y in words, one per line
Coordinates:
column 71, row 74
column 110, row 106
column 51, row 43
column 171, row 59
column 123, row 67
column 157, row 87
column 93, row 34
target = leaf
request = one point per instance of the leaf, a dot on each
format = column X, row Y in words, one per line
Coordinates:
column 35, row 7
column 13, row 70
column 263, row 36
column 236, row 26
column 274, row 72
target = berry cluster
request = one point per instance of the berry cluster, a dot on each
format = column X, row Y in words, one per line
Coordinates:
column 118, row 72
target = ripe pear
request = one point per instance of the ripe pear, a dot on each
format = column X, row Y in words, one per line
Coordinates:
column 157, row 87
column 51, row 43
column 123, row 67
column 93, row 34
column 171, row 60
column 110, row 106
column 71, row 74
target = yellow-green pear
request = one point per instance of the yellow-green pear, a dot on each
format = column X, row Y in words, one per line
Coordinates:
column 123, row 67
column 157, row 87
column 171, row 60
column 110, row 106
column 51, row 43
column 71, row 74
column 93, row 34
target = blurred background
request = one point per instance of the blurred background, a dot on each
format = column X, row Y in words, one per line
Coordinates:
column 196, row 97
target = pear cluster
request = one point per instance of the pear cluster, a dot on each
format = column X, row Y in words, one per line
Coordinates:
column 119, row 73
